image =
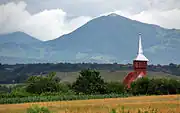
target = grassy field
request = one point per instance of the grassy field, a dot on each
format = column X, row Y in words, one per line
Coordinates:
column 112, row 76
column 164, row 104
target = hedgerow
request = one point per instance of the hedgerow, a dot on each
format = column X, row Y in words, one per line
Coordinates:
column 57, row 98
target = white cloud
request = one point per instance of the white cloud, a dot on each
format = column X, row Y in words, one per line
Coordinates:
column 11, row 16
column 45, row 25
column 76, row 23
column 163, row 18
column 52, row 23
column 167, row 18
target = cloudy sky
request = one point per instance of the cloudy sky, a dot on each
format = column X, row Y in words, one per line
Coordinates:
column 49, row 19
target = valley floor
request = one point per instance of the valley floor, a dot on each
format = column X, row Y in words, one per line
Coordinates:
column 164, row 104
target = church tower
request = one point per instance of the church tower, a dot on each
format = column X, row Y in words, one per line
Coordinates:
column 139, row 65
column 140, row 62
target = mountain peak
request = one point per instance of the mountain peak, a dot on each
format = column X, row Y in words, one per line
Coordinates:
column 113, row 14
column 115, row 36
column 18, row 37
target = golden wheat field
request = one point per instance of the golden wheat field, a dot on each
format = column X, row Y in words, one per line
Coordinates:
column 164, row 104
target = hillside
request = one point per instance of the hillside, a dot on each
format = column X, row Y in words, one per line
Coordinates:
column 115, row 76
column 115, row 38
column 19, row 47
column 69, row 72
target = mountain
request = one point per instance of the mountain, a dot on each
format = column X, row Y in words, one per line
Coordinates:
column 105, row 39
column 19, row 47
column 114, row 38
column 18, row 38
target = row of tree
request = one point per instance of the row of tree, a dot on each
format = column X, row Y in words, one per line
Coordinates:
column 90, row 82
column 20, row 72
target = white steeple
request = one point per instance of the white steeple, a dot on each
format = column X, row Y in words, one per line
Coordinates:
column 140, row 45
column 140, row 56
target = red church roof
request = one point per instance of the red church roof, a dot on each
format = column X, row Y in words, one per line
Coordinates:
column 132, row 76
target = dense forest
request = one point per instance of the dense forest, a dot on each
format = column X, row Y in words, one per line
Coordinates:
column 20, row 72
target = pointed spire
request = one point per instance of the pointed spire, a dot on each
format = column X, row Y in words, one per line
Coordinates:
column 140, row 56
column 140, row 45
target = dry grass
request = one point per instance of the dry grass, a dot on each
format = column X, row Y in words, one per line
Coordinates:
column 164, row 104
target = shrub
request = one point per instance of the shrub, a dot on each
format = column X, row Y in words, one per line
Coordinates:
column 41, row 84
column 113, row 111
column 57, row 98
column 140, row 86
column 162, row 86
column 115, row 87
column 37, row 109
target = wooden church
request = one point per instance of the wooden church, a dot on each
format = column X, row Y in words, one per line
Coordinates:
column 140, row 66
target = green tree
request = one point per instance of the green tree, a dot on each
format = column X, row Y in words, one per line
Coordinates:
column 174, row 86
column 163, row 86
column 42, row 84
column 89, row 82
column 115, row 87
column 140, row 86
